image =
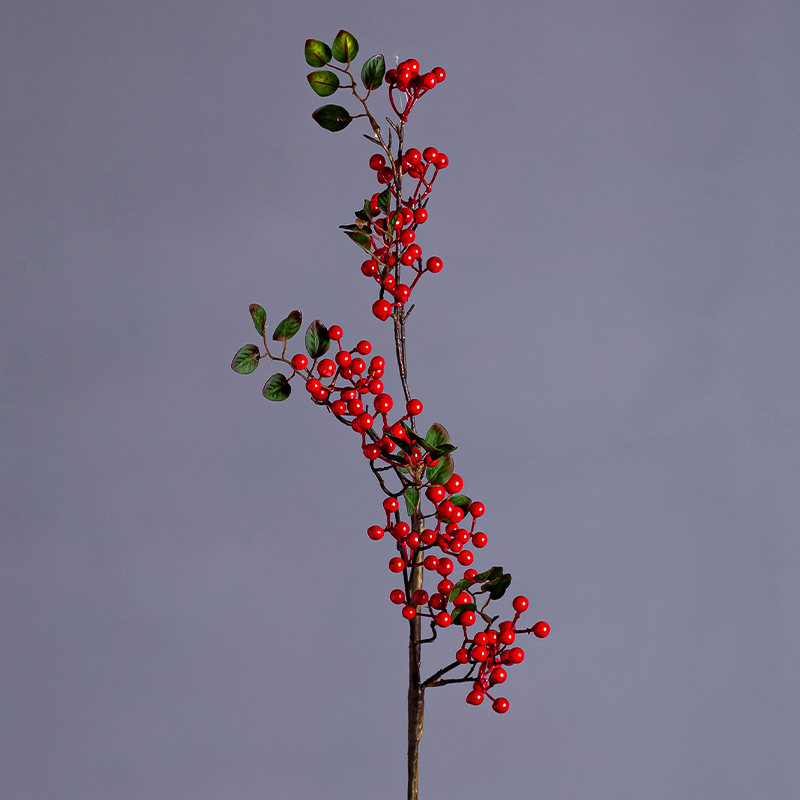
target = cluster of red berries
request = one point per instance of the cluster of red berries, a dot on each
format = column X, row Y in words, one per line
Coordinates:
column 408, row 80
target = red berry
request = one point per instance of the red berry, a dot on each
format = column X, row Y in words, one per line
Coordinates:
column 321, row 395
column 430, row 154
column 383, row 403
column 398, row 431
column 477, row 509
column 435, row 493
column 412, row 64
column 401, row 530
column 412, row 540
column 458, row 514
column 445, row 586
column 377, row 162
column 481, row 638
column 479, row 539
column 375, row 386
column 455, row 484
column 420, row 597
column 355, row 407
column 343, row 358
column 376, row 363
column 516, row 655
column 429, row 80
column 437, row 602
column 389, row 281
column 462, row 654
column 409, row 612
column 339, row 407
column 445, row 567
column 428, row 536
column 443, row 619
column 387, row 445
column 431, row 562
column 442, row 161
column 391, row 75
column 407, row 237
column 541, row 629
column 358, row 365
column 420, row 215
column 313, row 385
column 465, row 558
column 365, row 421
column 375, row 532
column 299, row 361
column 390, row 504
column 402, row 292
column 364, row 348
column 372, row 451
column 475, row 697
column 413, row 156
column 467, row 618
column 492, row 637
column 335, row 332
column 462, row 599
column 326, row 367
column 498, row 675
column 500, row 705
column 439, row 73
column 507, row 636
column 414, row 407
column 396, row 565
column 434, row 264
column 369, row 268
column 446, row 509
column 408, row 217
column 385, row 175
column 381, row 309
column 397, row 596
column 520, row 604
column 479, row 653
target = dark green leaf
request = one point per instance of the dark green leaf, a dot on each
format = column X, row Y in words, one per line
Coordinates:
column 461, row 501
column 443, row 471
column 259, row 317
column 323, row 81
column 401, row 443
column 363, row 213
column 372, row 72
column 332, row 118
column 490, row 574
column 317, row 339
column 412, row 499
column 459, row 610
column 288, row 327
column 246, row 359
column 458, row 586
column 361, row 239
column 277, row 387
column 437, row 435
column 497, row 587
column 383, row 200
column 318, row 54
column 345, row 47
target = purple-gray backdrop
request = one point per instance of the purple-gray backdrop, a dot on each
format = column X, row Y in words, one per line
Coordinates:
column 190, row 606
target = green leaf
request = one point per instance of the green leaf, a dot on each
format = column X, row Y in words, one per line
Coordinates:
column 318, row 54
column 459, row 610
column 457, row 588
column 363, row 213
column 412, row 499
column 288, row 327
column 437, row 435
column 246, row 359
column 332, row 118
column 443, row 471
column 361, row 239
column 461, row 501
column 259, row 317
column 383, row 200
column 489, row 574
column 345, row 47
column 401, row 443
column 323, row 81
column 317, row 339
column 372, row 72
column 497, row 587
column 277, row 387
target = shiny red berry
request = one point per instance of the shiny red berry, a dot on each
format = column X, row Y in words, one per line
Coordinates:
column 516, row 655
column 339, row 407
column 372, row 451
column 443, row 619
column 467, row 618
column 481, row 638
column 429, row 80
column 375, row 532
column 396, row 565
column 377, row 162
column 420, row 597
column 507, row 636
column 439, row 73
column 413, row 156
column 390, row 504
column 409, row 612
column 434, row 264
column 479, row 653
column 500, row 705
column 420, row 215
column 369, row 268
column 381, row 309
column 446, row 566
column 397, row 596
column 477, row 509
column 313, row 385
column 442, row 161
column 431, row 562
column 391, row 75
column 326, row 368
column 462, row 654
column 375, row 386
column 383, row 403
column 520, row 604
column 435, row 493
column 414, row 407
column 475, row 697
column 465, row 558
column 498, row 675
column 455, row 484
column 428, row 536
column 365, row 421
column 335, row 332
column 402, row 292
column 343, row 358
column 355, row 406
column 299, row 361
column 364, row 348
column 430, row 154
column 541, row 629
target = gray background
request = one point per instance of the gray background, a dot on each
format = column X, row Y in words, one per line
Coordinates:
column 190, row 606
